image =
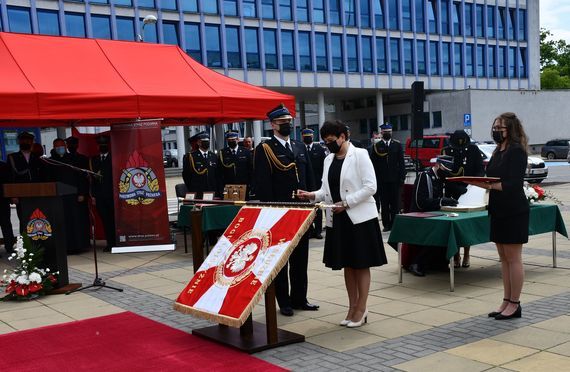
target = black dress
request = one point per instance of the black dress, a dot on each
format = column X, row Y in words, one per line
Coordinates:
column 509, row 209
column 348, row 245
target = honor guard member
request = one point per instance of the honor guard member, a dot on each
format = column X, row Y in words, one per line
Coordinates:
column 281, row 167
column 102, row 188
column 235, row 163
column 200, row 168
column 387, row 156
column 317, row 156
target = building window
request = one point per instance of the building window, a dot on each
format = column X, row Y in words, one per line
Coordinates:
column 168, row 4
column 445, row 58
column 230, row 8
column 522, row 25
column 511, row 24
column 502, row 62
column 490, row 21
column 425, row 120
column 48, row 22
column 468, row 19
column 379, row 13
column 363, row 126
column 469, row 69
column 501, row 24
column 457, row 63
column 101, row 25
column 364, row 13
column 491, row 61
column 302, row 12
column 393, row 14
column 192, row 5
column 408, row 57
column 287, row 53
column 432, row 16
column 170, row 33
column 433, row 58
column 407, row 15
column 270, row 48
column 336, row 52
column 146, row 3
column 99, row 1
column 421, row 56
column 248, row 8
column 522, row 63
column 334, row 12
column 125, row 29
column 444, row 5
column 192, row 36
column 437, row 122
column 404, row 122
column 75, row 25
column 480, row 21
column 123, row 2
column 381, row 55
column 267, row 10
column 420, row 16
column 209, row 6
column 366, row 47
column 349, row 13
column 213, row 51
column 150, row 32
column 321, row 52
column 352, row 53
column 480, row 60
column 319, row 11
column 456, row 18
column 395, row 56
column 304, row 46
column 252, row 48
column 285, row 10
column 393, row 119
column 512, row 62
column 19, row 20
column 233, row 49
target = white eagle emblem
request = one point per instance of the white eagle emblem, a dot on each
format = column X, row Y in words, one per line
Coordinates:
column 241, row 257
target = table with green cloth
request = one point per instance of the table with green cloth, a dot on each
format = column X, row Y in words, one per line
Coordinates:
column 467, row 229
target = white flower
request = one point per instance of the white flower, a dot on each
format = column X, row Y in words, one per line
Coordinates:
column 23, row 279
column 47, row 269
column 10, row 258
column 35, row 277
column 23, row 273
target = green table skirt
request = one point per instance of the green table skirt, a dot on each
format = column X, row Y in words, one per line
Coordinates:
column 214, row 217
column 467, row 229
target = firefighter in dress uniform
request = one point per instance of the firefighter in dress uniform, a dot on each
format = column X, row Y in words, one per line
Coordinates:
column 235, row 163
column 200, row 169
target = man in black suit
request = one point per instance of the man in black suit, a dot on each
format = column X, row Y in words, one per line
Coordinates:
column 5, row 211
column 235, row 163
column 200, row 169
column 317, row 156
column 102, row 189
column 387, row 156
column 281, row 167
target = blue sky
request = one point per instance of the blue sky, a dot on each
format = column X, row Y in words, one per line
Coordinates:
column 555, row 16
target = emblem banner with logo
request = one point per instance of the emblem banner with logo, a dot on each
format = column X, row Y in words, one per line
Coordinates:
column 243, row 263
column 141, row 209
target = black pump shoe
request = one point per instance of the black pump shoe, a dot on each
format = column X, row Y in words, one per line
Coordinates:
column 493, row 314
column 516, row 314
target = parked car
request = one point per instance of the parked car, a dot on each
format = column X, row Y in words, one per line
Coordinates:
column 536, row 170
column 556, row 149
column 427, row 148
column 170, row 158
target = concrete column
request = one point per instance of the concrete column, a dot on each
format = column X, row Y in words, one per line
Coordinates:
column 257, row 130
column 321, row 103
column 379, row 109
column 219, row 132
column 61, row 132
column 302, row 115
column 180, row 144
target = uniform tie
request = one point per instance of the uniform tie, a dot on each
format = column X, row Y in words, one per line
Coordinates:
column 287, row 146
column 308, row 148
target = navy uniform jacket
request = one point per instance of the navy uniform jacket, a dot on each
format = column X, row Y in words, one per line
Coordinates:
column 317, row 156
column 102, row 187
column 388, row 161
column 23, row 171
column 467, row 161
column 235, row 169
column 428, row 191
column 278, row 172
column 200, row 173
column 80, row 161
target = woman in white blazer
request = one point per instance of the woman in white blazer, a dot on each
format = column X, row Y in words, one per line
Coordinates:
column 353, row 241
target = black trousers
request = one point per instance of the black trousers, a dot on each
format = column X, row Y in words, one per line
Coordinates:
column 318, row 222
column 296, row 269
column 6, row 225
column 389, row 201
column 106, row 210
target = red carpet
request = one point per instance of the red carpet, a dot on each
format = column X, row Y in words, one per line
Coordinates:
column 120, row 342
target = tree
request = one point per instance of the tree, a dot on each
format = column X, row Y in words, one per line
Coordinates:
column 554, row 62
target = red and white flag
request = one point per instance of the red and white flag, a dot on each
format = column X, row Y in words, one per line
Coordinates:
column 242, row 264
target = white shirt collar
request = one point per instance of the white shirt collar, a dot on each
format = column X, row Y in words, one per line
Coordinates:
column 283, row 142
column 204, row 153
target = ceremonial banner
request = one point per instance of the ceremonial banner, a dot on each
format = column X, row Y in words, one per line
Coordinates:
column 243, row 263
column 141, row 211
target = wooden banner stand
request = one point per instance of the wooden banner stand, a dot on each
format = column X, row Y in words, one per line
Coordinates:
column 251, row 337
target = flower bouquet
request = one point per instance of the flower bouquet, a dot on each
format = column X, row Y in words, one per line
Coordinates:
column 535, row 193
column 27, row 281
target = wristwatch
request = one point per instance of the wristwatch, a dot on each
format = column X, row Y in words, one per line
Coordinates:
column 344, row 204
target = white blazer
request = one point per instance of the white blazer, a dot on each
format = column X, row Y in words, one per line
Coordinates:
column 357, row 186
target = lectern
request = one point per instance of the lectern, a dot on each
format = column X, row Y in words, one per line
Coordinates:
column 42, row 212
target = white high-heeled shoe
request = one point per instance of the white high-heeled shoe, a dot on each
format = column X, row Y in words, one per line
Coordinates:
column 344, row 322
column 363, row 320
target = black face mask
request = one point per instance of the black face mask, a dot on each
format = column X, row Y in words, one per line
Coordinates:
column 307, row 140
column 205, row 145
column 25, row 146
column 387, row 136
column 333, row 147
column 232, row 144
column 284, row 130
column 103, row 149
column 498, row 136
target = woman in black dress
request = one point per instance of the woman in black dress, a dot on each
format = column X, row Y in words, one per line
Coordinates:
column 509, row 208
column 353, row 241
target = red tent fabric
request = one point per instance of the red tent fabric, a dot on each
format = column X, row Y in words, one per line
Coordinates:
column 59, row 81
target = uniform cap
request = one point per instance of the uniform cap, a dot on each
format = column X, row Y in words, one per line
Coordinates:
column 103, row 139
column 26, row 135
column 203, row 136
column 279, row 112
column 386, row 126
column 232, row 135
column 307, row 132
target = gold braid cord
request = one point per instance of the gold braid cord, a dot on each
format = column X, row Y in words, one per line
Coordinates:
column 277, row 163
column 232, row 165
column 378, row 153
column 202, row 172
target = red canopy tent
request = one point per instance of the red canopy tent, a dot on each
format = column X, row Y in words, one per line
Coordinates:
column 64, row 81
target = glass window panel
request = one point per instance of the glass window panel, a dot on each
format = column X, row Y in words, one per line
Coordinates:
column 334, row 12
column 395, row 56
column 213, row 51
column 502, row 65
column 407, row 15
column 511, row 24
column 432, row 16
column 150, row 32
column 19, row 20
column 420, row 16
column 512, row 62
column 434, row 58
column 469, row 69
column 249, row 8
column 125, row 29
column 168, row 4
column 480, row 21
column 445, row 17
column 352, row 53
column 421, row 56
column 319, row 11
column 522, row 63
column 285, row 10
column 305, row 58
column 381, row 65
column 233, row 49
column 48, row 22
column 302, row 12
column 146, row 3
column 267, row 10
column 522, row 25
column 366, row 47
column 170, row 33
column 349, row 13
column 468, row 19
column 379, row 13
column 393, row 14
column 251, row 48
column 426, row 124
column 270, row 48
column 336, row 51
column 75, row 24
column 437, row 122
column 501, row 24
column 490, row 21
column 99, row 1
column 321, row 52
column 123, row 2
column 230, row 7
column 209, row 6
column 408, row 57
column 287, row 50
column 364, row 13
column 101, row 25
column 457, row 60
column 445, row 59
column 491, row 61
column 192, row 36
column 456, row 18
